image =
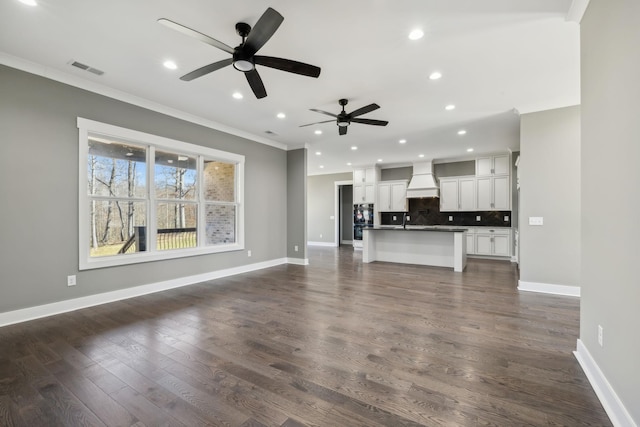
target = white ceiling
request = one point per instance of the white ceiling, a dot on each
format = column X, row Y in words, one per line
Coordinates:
column 497, row 58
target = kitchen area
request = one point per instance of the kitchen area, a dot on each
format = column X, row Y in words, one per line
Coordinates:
column 437, row 212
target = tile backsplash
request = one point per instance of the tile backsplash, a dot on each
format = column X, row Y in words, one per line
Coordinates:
column 427, row 212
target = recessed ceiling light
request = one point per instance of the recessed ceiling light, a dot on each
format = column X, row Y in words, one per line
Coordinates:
column 281, row 115
column 421, row 155
column 29, row 2
column 435, row 75
column 170, row 65
column 450, row 107
column 318, row 153
column 462, row 132
column 317, row 132
column 379, row 160
column 403, row 141
column 354, row 148
column 416, row 34
column 349, row 164
column 469, row 150
column 321, row 166
column 237, row 95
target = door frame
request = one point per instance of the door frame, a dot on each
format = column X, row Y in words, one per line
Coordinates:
column 337, row 224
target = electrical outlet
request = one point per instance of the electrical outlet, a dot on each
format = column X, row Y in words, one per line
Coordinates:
column 450, row 217
column 478, row 218
column 408, row 218
column 395, row 218
column 295, row 248
column 600, row 335
column 249, row 253
column 71, row 280
column 506, row 218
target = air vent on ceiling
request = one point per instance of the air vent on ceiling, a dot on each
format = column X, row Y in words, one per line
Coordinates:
column 86, row 68
column 270, row 132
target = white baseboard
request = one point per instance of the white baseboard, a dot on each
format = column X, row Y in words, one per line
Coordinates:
column 331, row 244
column 298, row 261
column 548, row 288
column 346, row 242
column 31, row 313
column 612, row 404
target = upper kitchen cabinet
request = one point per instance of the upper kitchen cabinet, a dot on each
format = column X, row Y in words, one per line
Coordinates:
column 364, row 184
column 457, row 194
column 493, row 165
column 392, row 196
column 493, row 193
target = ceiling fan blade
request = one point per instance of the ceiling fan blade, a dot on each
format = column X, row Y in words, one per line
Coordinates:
column 206, row 69
column 262, row 31
column 288, row 65
column 342, row 130
column 364, row 110
column 370, row 122
column 316, row 123
column 324, row 112
column 196, row 34
column 256, row 84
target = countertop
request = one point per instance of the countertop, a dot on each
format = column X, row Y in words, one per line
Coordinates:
column 415, row 228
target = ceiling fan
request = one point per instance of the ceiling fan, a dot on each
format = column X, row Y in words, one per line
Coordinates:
column 344, row 119
column 244, row 56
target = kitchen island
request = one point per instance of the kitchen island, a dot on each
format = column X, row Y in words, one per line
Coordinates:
column 439, row 247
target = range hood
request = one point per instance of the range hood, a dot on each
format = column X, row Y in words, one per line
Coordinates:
column 423, row 183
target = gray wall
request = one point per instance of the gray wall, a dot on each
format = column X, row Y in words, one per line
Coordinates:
column 346, row 195
column 393, row 174
column 296, row 203
column 550, row 188
column 611, row 199
column 321, row 205
column 39, row 193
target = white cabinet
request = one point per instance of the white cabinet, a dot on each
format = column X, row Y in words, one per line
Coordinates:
column 493, row 165
column 392, row 196
column 471, row 241
column 493, row 241
column 457, row 194
column 364, row 185
column 493, row 193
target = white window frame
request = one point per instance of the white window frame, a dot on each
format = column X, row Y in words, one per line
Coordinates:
column 86, row 262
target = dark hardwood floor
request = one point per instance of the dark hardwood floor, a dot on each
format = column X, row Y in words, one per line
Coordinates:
column 336, row 343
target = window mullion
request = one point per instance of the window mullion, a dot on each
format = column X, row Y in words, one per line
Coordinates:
column 152, row 232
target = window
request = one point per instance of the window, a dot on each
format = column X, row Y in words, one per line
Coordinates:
column 146, row 198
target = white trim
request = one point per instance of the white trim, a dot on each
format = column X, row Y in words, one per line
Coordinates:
column 606, row 394
column 577, row 10
column 346, row 242
column 75, row 81
column 298, row 261
column 85, row 127
column 31, row 313
column 548, row 288
column 330, row 244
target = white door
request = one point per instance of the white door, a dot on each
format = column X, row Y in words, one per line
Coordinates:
column 358, row 193
column 501, row 193
column 483, row 244
column 399, row 197
column 448, row 195
column 483, row 186
column 384, row 199
column 467, row 196
column 369, row 193
column 501, row 165
column 471, row 244
column 501, row 245
column 484, row 166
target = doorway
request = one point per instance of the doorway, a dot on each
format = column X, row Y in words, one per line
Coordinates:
column 344, row 213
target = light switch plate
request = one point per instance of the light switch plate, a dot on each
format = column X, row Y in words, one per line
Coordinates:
column 536, row 220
